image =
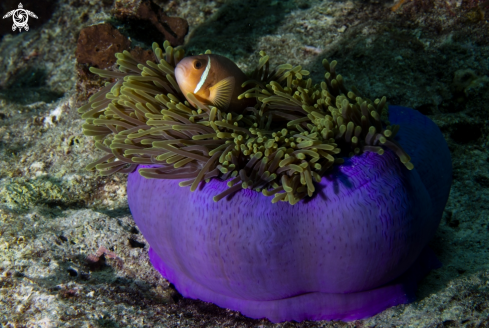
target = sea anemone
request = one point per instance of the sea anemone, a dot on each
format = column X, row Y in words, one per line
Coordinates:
column 290, row 138
column 346, row 232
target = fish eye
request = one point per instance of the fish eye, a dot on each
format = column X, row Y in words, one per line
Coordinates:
column 197, row 64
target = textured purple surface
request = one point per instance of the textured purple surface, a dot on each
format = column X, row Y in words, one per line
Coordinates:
column 335, row 256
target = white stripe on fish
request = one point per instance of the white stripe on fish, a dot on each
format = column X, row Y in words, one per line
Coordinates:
column 204, row 76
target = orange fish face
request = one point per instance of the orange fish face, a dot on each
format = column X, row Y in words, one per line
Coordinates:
column 189, row 71
column 214, row 80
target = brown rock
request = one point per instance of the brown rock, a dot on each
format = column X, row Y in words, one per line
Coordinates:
column 143, row 55
column 148, row 22
column 177, row 25
column 98, row 44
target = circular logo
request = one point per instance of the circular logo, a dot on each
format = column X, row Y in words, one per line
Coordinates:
column 20, row 17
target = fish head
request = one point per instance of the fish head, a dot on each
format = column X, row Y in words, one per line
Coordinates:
column 189, row 71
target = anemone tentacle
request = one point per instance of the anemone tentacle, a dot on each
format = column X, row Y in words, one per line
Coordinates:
column 295, row 133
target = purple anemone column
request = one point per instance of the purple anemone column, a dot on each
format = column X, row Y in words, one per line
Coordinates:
column 355, row 248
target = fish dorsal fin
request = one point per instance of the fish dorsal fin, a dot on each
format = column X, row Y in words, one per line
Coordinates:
column 220, row 93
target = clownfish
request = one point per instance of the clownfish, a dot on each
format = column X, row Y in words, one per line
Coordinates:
column 214, row 80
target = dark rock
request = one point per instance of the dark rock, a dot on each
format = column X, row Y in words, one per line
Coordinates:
column 147, row 22
column 483, row 180
column 136, row 244
column 72, row 272
column 42, row 9
column 98, row 44
column 95, row 262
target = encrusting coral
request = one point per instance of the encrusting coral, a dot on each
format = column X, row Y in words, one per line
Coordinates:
column 294, row 133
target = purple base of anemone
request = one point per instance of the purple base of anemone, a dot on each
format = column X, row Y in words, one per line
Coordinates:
column 354, row 249
column 313, row 306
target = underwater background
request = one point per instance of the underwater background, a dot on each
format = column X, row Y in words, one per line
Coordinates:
column 70, row 253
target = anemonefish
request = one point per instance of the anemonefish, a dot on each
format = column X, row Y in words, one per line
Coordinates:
column 214, row 80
